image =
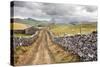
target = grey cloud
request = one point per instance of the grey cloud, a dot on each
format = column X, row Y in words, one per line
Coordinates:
column 46, row 9
column 58, row 9
column 52, row 10
column 27, row 9
column 90, row 8
column 19, row 3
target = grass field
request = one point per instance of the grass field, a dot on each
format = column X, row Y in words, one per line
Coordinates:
column 19, row 26
column 61, row 30
column 20, row 51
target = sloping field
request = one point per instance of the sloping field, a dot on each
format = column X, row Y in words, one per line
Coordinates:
column 19, row 26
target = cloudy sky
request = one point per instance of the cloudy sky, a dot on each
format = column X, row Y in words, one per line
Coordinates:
column 52, row 11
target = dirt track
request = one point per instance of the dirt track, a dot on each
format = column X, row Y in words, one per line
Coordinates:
column 45, row 51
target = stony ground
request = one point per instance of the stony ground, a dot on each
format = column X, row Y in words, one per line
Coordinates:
column 83, row 45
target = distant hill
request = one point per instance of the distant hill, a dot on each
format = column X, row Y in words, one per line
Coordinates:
column 29, row 21
column 35, row 23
